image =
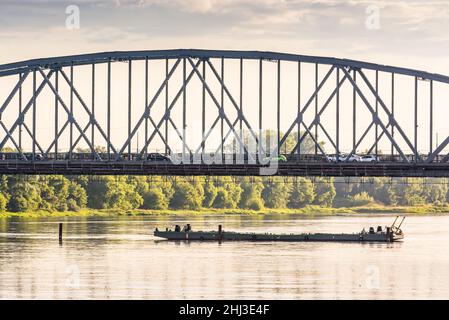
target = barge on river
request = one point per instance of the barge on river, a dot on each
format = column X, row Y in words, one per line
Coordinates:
column 387, row 234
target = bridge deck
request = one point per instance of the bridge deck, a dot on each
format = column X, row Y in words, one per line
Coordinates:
column 283, row 169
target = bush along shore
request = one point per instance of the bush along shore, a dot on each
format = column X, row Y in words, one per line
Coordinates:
column 55, row 195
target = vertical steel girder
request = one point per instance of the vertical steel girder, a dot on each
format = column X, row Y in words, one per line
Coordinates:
column 145, row 150
column 108, row 111
column 337, row 115
column 71, row 116
column 298, row 123
column 129, row 104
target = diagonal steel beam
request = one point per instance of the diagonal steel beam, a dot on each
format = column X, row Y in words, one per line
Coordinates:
column 34, row 138
column 166, row 115
column 148, row 108
column 223, row 115
column 160, row 134
column 21, row 116
column 203, row 141
column 84, row 105
column 57, row 137
column 377, row 139
column 179, row 135
column 381, row 102
column 354, row 149
column 12, row 140
column 226, row 135
column 14, row 91
column 373, row 112
column 323, row 108
column 304, row 109
column 327, row 135
column 72, row 119
column 314, row 140
column 239, row 111
column 438, row 150
column 79, row 138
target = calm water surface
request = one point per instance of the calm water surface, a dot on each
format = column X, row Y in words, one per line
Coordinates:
column 118, row 258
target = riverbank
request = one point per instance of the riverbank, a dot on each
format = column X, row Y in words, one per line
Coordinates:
column 306, row 211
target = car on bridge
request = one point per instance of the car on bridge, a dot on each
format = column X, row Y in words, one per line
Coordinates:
column 158, row 157
column 369, row 158
column 344, row 158
column 280, row 158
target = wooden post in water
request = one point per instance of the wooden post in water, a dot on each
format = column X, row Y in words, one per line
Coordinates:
column 220, row 232
column 60, row 232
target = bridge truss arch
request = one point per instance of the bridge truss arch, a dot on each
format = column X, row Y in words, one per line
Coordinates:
column 111, row 112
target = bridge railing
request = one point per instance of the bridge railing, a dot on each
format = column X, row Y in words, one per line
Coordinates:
column 209, row 158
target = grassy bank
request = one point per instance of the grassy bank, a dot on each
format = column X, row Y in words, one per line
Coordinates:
column 307, row 211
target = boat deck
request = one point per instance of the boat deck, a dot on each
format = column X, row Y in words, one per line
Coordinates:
column 236, row 236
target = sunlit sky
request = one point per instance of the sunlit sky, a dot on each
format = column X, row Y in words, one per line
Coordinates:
column 411, row 33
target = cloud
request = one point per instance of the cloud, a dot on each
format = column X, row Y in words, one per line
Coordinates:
column 330, row 27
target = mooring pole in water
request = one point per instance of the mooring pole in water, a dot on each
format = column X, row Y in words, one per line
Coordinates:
column 220, row 232
column 60, row 232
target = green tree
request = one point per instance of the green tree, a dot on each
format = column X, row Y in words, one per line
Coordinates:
column 360, row 199
column 155, row 191
column 112, row 192
column 77, row 197
column 210, row 193
column 276, row 192
column 187, row 195
column 25, row 194
column 255, row 204
column 407, row 192
column 96, row 191
column 302, row 194
column 49, row 201
column 3, row 202
column 223, row 200
column 325, row 192
column 55, row 192
column 4, row 189
column 154, row 199
column 251, row 196
column 228, row 193
column 435, row 191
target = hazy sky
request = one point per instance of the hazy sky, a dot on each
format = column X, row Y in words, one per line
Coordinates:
column 412, row 33
column 409, row 33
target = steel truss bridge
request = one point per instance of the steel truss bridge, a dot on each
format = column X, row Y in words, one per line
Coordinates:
column 111, row 113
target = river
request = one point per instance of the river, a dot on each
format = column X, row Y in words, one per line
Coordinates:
column 118, row 258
